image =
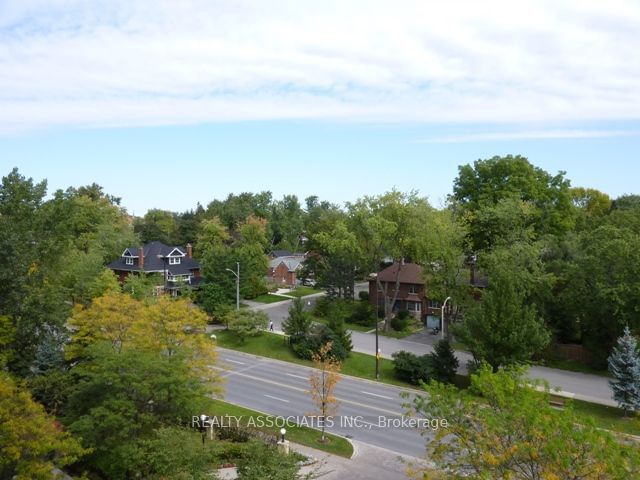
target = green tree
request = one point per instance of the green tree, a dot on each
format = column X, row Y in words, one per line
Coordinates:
column 157, row 225
column 299, row 321
column 505, row 327
column 502, row 427
column 444, row 364
column 246, row 323
column 266, row 462
column 543, row 199
column 32, row 444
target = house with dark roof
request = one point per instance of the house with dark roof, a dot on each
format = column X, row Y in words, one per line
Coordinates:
column 284, row 270
column 175, row 265
column 412, row 289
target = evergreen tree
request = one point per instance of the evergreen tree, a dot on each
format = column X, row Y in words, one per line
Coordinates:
column 298, row 323
column 624, row 364
column 444, row 363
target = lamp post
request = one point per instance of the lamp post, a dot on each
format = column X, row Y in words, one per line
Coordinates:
column 377, row 321
column 164, row 263
column 283, row 431
column 442, row 315
column 237, row 274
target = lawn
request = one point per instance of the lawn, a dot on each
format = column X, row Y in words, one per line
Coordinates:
column 303, row 291
column 300, row 434
column 268, row 298
column 275, row 346
column 402, row 334
column 351, row 326
column 363, row 366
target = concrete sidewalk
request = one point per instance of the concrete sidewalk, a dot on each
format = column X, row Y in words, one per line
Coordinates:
column 368, row 462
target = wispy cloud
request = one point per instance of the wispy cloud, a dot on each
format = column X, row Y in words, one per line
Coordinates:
column 118, row 63
column 530, row 135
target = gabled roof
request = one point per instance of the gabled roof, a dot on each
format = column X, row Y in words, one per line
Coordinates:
column 281, row 253
column 292, row 262
column 155, row 257
column 409, row 273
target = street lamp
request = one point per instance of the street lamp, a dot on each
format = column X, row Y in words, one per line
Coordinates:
column 442, row 315
column 377, row 321
column 164, row 263
column 282, row 433
column 237, row 274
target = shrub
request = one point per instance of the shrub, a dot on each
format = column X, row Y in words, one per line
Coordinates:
column 306, row 345
column 323, row 304
column 412, row 368
column 400, row 324
column 363, row 314
column 363, row 295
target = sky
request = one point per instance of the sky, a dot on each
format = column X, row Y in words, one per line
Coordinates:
column 167, row 103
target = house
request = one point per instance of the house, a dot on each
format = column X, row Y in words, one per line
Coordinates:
column 175, row 265
column 285, row 270
column 279, row 253
column 412, row 291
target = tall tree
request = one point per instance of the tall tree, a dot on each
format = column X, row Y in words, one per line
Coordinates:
column 505, row 327
column 544, row 199
column 298, row 322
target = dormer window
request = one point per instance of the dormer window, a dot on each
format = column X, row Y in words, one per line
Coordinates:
column 128, row 260
column 174, row 260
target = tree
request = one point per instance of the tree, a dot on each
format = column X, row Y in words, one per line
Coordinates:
column 603, row 293
column 503, row 427
column 157, row 225
column 341, row 337
column 390, row 226
column 32, row 443
column 544, row 201
column 504, row 328
column 444, row 364
column 323, row 380
column 247, row 323
column 624, row 365
column 120, row 399
column 266, row 462
column 412, row 368
column 338, row 261
column 298, row 322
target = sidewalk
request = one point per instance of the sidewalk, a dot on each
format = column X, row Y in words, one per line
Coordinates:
column 368, row 462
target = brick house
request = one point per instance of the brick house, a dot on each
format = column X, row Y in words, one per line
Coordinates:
column 175, row 265
column 412, row 291
column 285, row 270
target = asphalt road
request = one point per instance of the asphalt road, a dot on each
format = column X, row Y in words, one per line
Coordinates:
column 365, row 409
column 591, row 388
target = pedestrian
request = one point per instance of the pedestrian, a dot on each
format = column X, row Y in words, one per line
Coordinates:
column 271, row 326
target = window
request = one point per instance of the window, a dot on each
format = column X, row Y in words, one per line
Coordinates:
column 413, row 289
column 414, row 306
column 174, row 260
column 434, row 304
column 129, row 261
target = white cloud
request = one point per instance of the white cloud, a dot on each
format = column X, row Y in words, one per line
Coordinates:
column 531, row 135
column 116, row 62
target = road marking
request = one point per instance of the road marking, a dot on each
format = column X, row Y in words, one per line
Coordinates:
column 276, row 398
column 376, row 395
column 297, row 376
column 291, row 387
column 235, row 361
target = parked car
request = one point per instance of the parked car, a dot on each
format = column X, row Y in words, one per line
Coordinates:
column 309, row 282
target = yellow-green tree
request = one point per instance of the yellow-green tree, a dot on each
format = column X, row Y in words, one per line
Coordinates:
column 323, row 381
column 503, row 427
column 32, row 443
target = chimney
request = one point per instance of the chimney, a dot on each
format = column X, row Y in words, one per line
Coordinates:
column 189, row 250
column 141, row 257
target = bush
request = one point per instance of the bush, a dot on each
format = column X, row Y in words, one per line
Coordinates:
column 412, row 368
column 323, row 304
column 363, row 295
column 403, row 314
column 363, row 314
column 305, row 346
column 400, row 324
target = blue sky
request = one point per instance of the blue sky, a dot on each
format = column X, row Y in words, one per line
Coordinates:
column 170, row 103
